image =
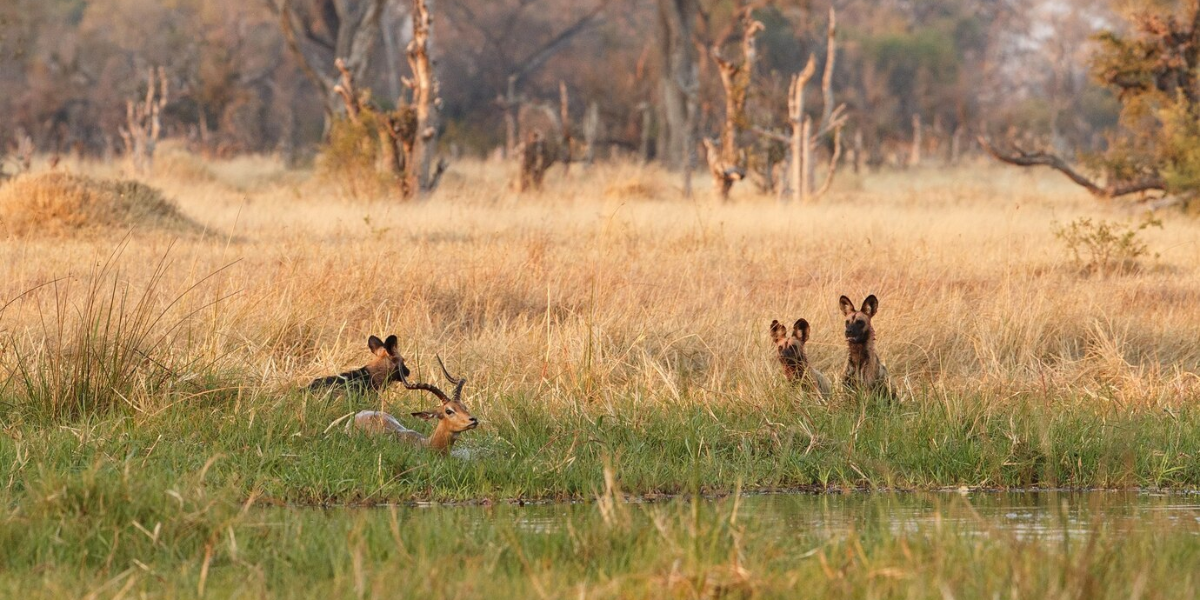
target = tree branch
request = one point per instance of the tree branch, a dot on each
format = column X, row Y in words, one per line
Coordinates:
column 534, row 61
column 287, row 22
column 1022, row 158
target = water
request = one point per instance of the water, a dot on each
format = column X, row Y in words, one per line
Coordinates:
column 1049, row 515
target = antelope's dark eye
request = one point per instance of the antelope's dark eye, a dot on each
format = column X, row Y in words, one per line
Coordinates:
column 449, row 411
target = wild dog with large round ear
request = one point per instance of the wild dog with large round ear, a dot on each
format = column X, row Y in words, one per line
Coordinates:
column 387, row 367
column 794, row 357
column 452, row 417
column 865, row 372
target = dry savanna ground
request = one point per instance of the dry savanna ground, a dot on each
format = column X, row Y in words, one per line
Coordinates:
column 609, row 288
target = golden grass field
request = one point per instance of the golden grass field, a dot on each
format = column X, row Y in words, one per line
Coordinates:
column 609, row 287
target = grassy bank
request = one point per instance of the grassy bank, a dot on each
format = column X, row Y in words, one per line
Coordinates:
column 152, row 382
column 118, row 537
column 287, row 452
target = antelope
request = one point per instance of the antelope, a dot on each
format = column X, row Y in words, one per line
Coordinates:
column 452, row 417
column 794, row 358
column 864, row 371
column 386, row 367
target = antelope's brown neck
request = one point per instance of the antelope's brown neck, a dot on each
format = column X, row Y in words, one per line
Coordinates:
column 442, row 439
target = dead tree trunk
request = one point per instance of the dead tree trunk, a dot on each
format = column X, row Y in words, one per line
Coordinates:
column 318, row 36
column 914, row 153
column 511, row 107
column 727, row 165
column 143, row 122
column 423, row 175
column 511, row 103
column 647, row 126
column 859, row 151
column 680, row 82
column 800, row 133
column 24, row 152
column 955, row 144
column 389, row 21
column 536, row 158
column 805, row 133
column 564, row 109
column 591, row 131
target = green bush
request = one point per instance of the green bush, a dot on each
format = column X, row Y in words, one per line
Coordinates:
column 1105, row 246
column 352, row 158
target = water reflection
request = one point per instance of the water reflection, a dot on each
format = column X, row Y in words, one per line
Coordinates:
column 1023, row 515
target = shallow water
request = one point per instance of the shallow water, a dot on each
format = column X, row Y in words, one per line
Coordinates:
column 1023, row 515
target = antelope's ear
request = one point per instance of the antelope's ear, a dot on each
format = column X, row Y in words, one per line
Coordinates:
column 374, row 344
column 800, row 330
column 778, row 331
column 846, row 305
column 871, row 305
column 390, row 344
column 428, row 415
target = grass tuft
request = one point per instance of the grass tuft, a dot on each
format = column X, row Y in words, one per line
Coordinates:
column 60, row 204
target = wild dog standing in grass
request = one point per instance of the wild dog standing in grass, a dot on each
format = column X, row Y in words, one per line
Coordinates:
column 386, row 367
column 794, row 358
column 865, row 373
column 452, row 417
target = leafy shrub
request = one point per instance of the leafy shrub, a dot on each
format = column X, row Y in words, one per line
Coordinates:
column 360, row 157
column 1105, row 246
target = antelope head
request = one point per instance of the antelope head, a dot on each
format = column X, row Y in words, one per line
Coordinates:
column 452, row 417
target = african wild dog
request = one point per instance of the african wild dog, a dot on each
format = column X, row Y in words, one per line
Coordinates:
column 794, row 358
column 386, row 367
column 452, row 417
column 864, row 371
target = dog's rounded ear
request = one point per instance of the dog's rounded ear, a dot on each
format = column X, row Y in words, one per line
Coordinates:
column 778, row 331
column 390, row 344
column 428, row 415
column 800, row 330
column 871, row 305
column 847, row 306
column 374, row 343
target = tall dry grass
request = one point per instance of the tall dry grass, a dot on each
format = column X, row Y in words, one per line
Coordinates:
column 608, row 287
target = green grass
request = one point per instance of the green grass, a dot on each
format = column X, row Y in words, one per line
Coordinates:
column 119, row 534
column 133, row 501
column 283, row 451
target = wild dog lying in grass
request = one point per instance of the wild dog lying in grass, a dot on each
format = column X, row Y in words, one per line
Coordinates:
column 386, row 367
column 452, row 417
column 794, row 359
column 865, row 373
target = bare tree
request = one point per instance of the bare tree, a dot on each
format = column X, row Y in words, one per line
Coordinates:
column 832, row 121
column 680, row 85
column 525, row 67
column 805, row 133
column 536, row 158
column 914, row 151
column 323, row 31
column 408, row 135
column 564, row 108
column 591, row 130
column 726, row 163
column 143, row 121
column 24, row 151
column 423, row 175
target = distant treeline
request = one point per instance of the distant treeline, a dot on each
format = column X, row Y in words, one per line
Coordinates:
column 68, row 68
